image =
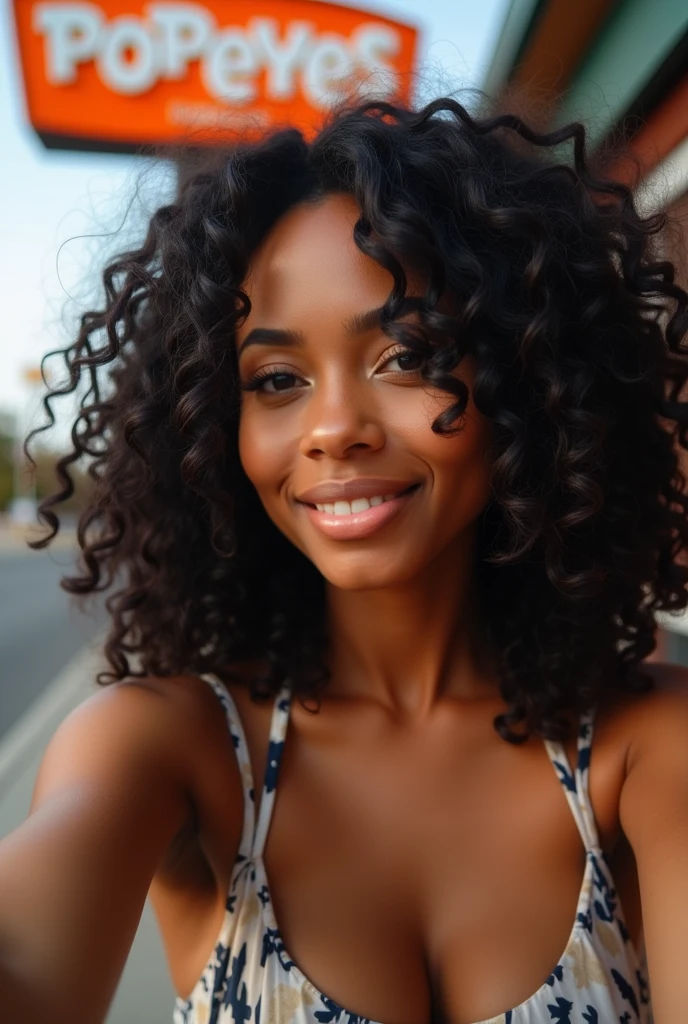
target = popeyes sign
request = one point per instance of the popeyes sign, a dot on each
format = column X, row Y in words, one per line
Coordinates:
column 118, row 74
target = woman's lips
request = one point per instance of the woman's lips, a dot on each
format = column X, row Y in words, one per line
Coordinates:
column 358, row 524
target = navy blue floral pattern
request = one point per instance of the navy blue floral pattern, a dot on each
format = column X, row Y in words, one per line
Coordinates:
column 251, row 979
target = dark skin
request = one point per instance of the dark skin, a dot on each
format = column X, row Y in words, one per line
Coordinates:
column 386, row 790
column 422, row 869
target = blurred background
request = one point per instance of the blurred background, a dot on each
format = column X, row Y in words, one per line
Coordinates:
column 88, row 90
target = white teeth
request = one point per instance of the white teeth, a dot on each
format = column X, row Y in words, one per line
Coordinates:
column 347, row 508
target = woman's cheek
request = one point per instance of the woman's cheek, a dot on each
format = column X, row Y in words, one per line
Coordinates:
column 266, row 455
column 256, row 452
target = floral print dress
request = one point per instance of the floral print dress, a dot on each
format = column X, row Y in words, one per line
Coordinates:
column 251, row 979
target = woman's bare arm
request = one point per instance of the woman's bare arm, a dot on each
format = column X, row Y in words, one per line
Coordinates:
column 111, row 793
column 654, row 816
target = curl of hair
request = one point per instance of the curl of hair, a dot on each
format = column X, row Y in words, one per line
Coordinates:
column 576, row 325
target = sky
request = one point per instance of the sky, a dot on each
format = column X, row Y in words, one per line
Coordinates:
column 62, row 213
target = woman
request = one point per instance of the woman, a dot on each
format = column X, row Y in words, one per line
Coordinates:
column 388, row 457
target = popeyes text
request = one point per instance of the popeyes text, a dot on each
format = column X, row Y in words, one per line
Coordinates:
column 132, row 54
column 241, row 55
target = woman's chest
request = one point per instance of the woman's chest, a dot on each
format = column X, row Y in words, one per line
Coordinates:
column 441, row 869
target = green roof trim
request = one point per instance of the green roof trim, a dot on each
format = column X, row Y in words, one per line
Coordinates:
column 517, row 26
column 636, row 38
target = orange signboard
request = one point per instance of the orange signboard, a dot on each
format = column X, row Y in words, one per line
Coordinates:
column 119, row 74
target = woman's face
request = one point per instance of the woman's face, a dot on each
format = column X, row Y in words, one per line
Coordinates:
column 336, row 412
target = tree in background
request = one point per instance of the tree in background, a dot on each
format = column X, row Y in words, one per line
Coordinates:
column 6, row 471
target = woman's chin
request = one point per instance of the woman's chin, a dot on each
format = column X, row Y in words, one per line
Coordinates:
column 363, row 574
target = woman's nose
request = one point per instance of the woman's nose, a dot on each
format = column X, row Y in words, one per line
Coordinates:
column 340, row 421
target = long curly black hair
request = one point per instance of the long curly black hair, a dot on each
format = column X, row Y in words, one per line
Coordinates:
column 576, row 325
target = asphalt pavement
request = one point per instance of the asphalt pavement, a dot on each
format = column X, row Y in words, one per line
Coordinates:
column 40, row 626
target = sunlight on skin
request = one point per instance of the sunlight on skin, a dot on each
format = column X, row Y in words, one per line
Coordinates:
column 348, row 414
column 349, row 409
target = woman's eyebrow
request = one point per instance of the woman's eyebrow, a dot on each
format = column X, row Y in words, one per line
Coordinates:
column 359, row 323
column 270, row 336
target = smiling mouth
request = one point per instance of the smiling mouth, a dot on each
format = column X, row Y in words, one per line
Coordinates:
column 358, row 505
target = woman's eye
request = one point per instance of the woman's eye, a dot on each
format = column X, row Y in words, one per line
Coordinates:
column 278, row 382
column 408, row 361
column 271, row 383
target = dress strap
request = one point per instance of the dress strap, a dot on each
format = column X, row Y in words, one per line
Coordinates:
column 254, row 834
column 244, row 761
column 576, row 783
column 278, row 733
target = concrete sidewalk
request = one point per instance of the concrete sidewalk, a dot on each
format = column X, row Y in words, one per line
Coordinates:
column 145, row 994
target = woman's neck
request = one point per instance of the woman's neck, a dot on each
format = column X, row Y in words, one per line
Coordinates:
column 409, row 646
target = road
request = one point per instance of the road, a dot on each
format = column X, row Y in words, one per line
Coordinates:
column 40, row 627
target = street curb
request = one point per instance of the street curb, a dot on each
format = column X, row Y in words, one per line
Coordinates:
column 38, row 723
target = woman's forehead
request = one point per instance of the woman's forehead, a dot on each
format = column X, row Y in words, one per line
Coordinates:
column 309, row 266
column 309, row 239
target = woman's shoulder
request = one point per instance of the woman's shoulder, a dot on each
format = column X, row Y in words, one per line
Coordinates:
column 659, row 718
column 642, row 711
column 207, row 757
column 633, row 724
column 204, row 729
column 196, row 701
column 653, row 806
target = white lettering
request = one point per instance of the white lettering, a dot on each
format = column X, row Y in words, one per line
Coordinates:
column 71, row 32
column 329, row 64
column 371, row 44
column 186, row 30
column 127, row 59
column 225, row 68
column 282, row 59
column 132, row 53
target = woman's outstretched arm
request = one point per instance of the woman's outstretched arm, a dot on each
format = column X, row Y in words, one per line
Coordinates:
column 111, row 793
